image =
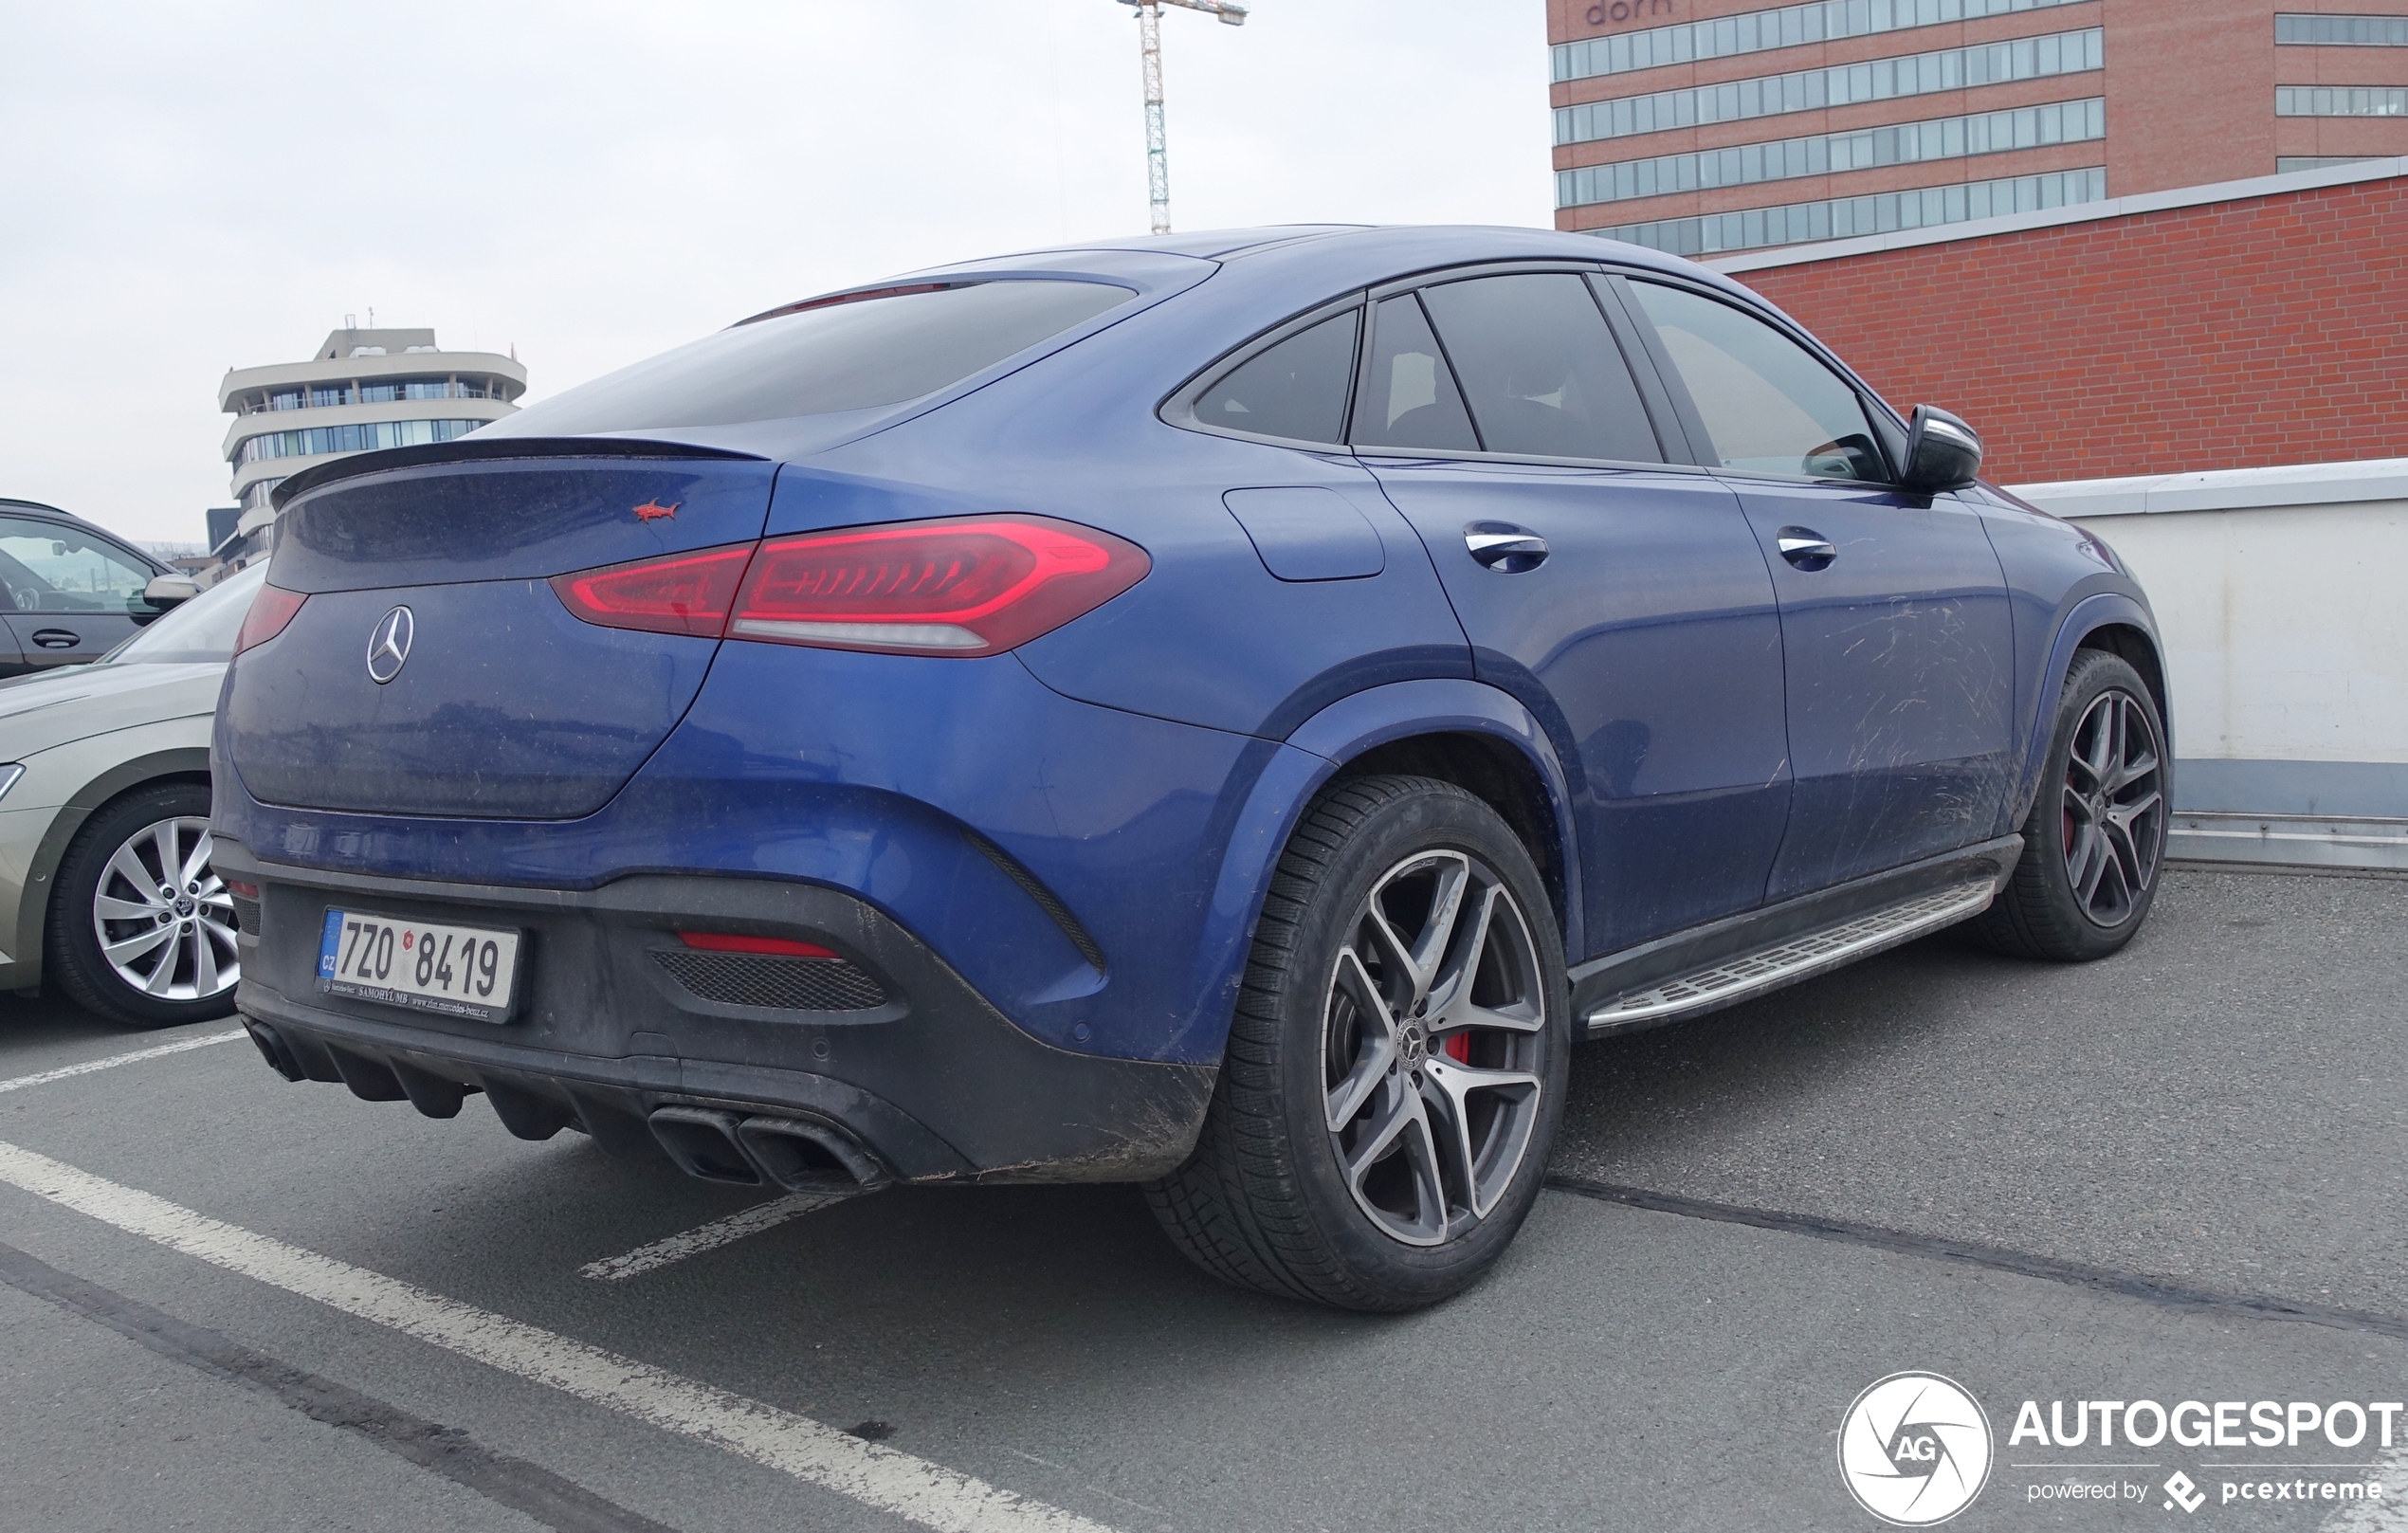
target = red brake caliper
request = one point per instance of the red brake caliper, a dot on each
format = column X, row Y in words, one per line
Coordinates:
column 1459, row 1048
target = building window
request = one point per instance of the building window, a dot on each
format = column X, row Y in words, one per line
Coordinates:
column 1842, row 218
column 1907, row 143
column 2285, row 164
column 1876, row 80
column 2341, row 101
column 1760, row 31
column 2343, row 31
column 255, row 494
column 366, row 437
column 382, row 392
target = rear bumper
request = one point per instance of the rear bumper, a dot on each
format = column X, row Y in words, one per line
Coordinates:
column 896, row 1056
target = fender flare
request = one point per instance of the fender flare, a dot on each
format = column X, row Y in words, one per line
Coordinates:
column 2083, row 619
column 1314, row 753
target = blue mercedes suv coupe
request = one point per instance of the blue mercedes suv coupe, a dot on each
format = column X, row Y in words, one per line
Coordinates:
column 1225, row 712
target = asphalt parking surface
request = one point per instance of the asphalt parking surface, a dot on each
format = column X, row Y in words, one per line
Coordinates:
column 2103, row 1182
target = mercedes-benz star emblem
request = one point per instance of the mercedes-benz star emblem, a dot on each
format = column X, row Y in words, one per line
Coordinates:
column 389, row 645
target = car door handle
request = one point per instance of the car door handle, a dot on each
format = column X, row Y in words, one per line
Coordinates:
column 1504, row 547
column 1805, row 548
column 57, row 638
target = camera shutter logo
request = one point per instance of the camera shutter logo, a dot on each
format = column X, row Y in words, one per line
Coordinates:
column 389, row 645
column 1914, row 1450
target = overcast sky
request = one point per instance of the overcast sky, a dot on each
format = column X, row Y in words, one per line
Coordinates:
column 193, row 188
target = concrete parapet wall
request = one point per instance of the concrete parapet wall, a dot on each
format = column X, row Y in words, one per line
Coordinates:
column 2278, row 591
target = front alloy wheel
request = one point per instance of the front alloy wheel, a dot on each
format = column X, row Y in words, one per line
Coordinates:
column 1430, row 1045
column 2114, row 808
column 2094, row 840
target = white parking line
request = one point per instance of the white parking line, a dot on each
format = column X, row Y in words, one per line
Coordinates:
column 2390, row 1514
column 876, row 1476
column 703, row 1237
column 115, row 1060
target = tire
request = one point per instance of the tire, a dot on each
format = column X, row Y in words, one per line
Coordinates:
column 2094, row 842
column 96, row 889
column 1464, row 1097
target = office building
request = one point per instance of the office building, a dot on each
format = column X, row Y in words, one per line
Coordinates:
column 1715, row 126
column 363, row 390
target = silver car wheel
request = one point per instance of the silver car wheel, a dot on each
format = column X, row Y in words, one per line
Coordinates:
column 164, row 918
column 1430, row 1047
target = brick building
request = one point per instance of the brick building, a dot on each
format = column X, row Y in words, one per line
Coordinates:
column 1716, row 126
column 2235, row 326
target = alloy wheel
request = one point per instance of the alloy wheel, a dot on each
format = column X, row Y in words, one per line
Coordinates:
column 1432, row 1040
column 2114, row 808
column 165, row 919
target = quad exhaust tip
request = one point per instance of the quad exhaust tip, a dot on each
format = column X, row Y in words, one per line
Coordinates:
column 744, row 1150
column 736, row 1148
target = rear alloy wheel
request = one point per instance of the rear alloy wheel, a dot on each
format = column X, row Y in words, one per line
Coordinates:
column 2096, row 836
column 1431, row 1036
column 143, row 929
column 1397, row 1066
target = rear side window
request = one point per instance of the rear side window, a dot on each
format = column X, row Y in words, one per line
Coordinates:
column 1541, row 369
column 1769, row 404
column 855, row 356
column 1296, row 389
column 1409, row 397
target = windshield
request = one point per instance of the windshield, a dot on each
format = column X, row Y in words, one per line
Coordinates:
column 199, row 631
column 846, row 356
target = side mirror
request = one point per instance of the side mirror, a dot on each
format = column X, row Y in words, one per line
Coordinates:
column 168, row 590
column 1943, row 453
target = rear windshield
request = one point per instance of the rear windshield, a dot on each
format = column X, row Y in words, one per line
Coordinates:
column 856, row 355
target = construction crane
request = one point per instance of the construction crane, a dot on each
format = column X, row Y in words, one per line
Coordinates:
column 1158, row 151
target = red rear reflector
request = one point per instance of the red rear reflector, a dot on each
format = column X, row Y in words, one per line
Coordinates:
column 728, row 942
column 960, row 586
column 269, row 612
column 248, row 891
column 683, row 593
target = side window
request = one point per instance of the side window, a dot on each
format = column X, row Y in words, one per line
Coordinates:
column 1541, row 369
column 1295, row 390
column 47, row 568
column 1770, row 406
column 1409, row 397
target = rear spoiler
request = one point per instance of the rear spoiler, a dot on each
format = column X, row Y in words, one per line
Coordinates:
column 472, row 449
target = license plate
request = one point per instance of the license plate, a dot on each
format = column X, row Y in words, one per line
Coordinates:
column 455, row 970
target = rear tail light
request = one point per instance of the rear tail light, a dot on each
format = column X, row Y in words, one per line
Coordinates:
column 269, row 612
column 685, row 593
column 961, row 586
column 784, row 947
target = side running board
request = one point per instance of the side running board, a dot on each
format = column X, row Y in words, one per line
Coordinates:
column 1752, row 974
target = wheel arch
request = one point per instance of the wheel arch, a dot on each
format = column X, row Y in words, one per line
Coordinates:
column 2137, row 648
column 1490, row 768
column 1464, row 732
column 188, row 764
column 2115, row 623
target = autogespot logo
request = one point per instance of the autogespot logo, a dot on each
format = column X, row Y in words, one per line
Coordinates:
column 1914, row 1450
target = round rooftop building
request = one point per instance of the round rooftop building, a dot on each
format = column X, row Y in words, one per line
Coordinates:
column 363, row 390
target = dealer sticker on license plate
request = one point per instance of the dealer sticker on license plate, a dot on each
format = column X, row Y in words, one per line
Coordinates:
column 457, row 971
